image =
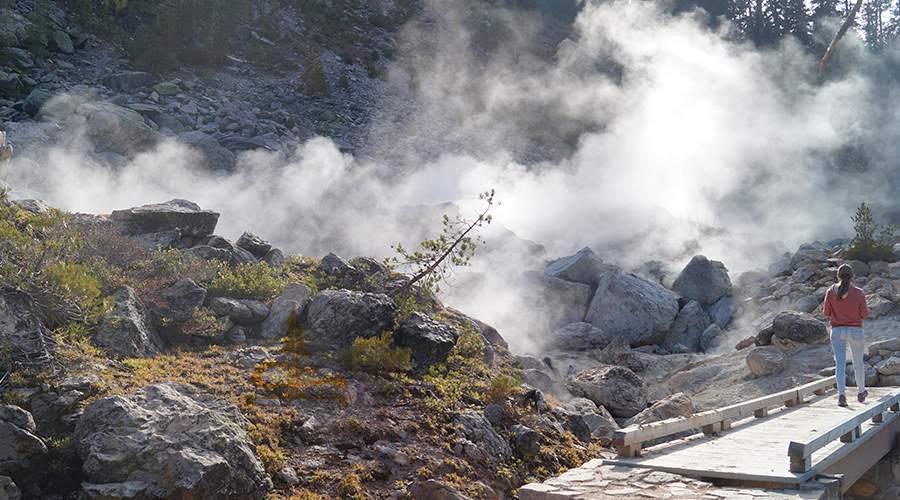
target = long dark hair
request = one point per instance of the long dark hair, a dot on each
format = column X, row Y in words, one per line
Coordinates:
column 845, row 274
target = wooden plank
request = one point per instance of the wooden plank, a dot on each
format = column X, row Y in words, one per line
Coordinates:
column 753, row 450
column 846, row 429
column 663, row 428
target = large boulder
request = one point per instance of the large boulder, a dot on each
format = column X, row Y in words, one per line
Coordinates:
column 556, row 301
column 179, row 300
column 168, row 441
column 183, row 215
column 688, row 328
column 582, row 267
column 239, row 311
column 703, row 280
column 799, row 327
column 211, row 155
column 766, row 360
column 578, row 337
column 128, row 332
column 120, row 130
column 254, row 244
column 616, row 388
column 637, row 309
column 430, row 341
column 586, row 420
column 676, row 405
column 338, row 317
column 295, row 298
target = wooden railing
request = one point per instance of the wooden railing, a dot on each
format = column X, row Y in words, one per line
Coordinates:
column 848, row 431
column 628, row 440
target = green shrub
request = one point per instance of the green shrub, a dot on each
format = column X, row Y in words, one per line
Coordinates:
column 375, row 355
column 260, row 281
column 868, row 245
column 315, row 82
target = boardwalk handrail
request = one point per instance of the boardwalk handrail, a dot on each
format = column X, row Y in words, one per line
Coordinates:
column 801, row 453
column 628, row 440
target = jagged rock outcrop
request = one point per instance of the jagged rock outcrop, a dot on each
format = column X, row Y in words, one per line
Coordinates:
column 586, row 420
column 128, row 331
column 168, row 441
column 637, row 309
column 616, row 388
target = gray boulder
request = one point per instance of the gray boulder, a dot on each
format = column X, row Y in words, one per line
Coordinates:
column 340, row 316
column 676, row 405
column 61, row 42
column 579, row 268
column 878, row 306
column 526, row 440
column 884, row 348
column 722, row 311
column 183, row 215
column 218, row 248
column 179, row 300
column 8, row 489
column 478, row 439
column 294, row 298
column 432, row 489
column 703, row 280
column 578, row 337
column 168, row 441
column 113, row 128
column 558, row 301
column 616, row 388
column 781, row 268
column 712, row 338
column 799, row 327
column 637, row 309
column 36, row 100
column 582, row 414
column 212, row 155
column 766, row 360
column 19, row 326
column 128, row 332
column 22, row 454
column 688, row 327
column 430, row 341
column 254, row 244
column 239, row 311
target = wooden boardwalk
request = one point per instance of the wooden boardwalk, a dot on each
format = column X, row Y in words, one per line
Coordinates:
column 765, row 444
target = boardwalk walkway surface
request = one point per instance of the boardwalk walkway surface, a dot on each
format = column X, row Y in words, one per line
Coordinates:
column 810, row 449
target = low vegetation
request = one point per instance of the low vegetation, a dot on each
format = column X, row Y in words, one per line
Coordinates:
column 70, row 266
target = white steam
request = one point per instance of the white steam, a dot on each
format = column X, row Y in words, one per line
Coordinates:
column 691, row 132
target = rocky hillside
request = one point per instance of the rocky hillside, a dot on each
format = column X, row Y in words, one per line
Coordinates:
column 146, row 356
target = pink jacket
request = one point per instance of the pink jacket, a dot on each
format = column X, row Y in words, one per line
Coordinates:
column 848, row 311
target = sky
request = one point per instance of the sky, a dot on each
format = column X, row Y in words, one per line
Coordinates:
column 691, row 144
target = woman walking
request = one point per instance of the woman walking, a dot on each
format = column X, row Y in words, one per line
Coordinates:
column 845, row 304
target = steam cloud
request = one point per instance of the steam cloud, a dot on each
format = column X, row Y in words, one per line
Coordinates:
column 689, row 132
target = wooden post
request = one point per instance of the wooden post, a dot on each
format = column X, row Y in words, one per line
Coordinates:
column 851, row 436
